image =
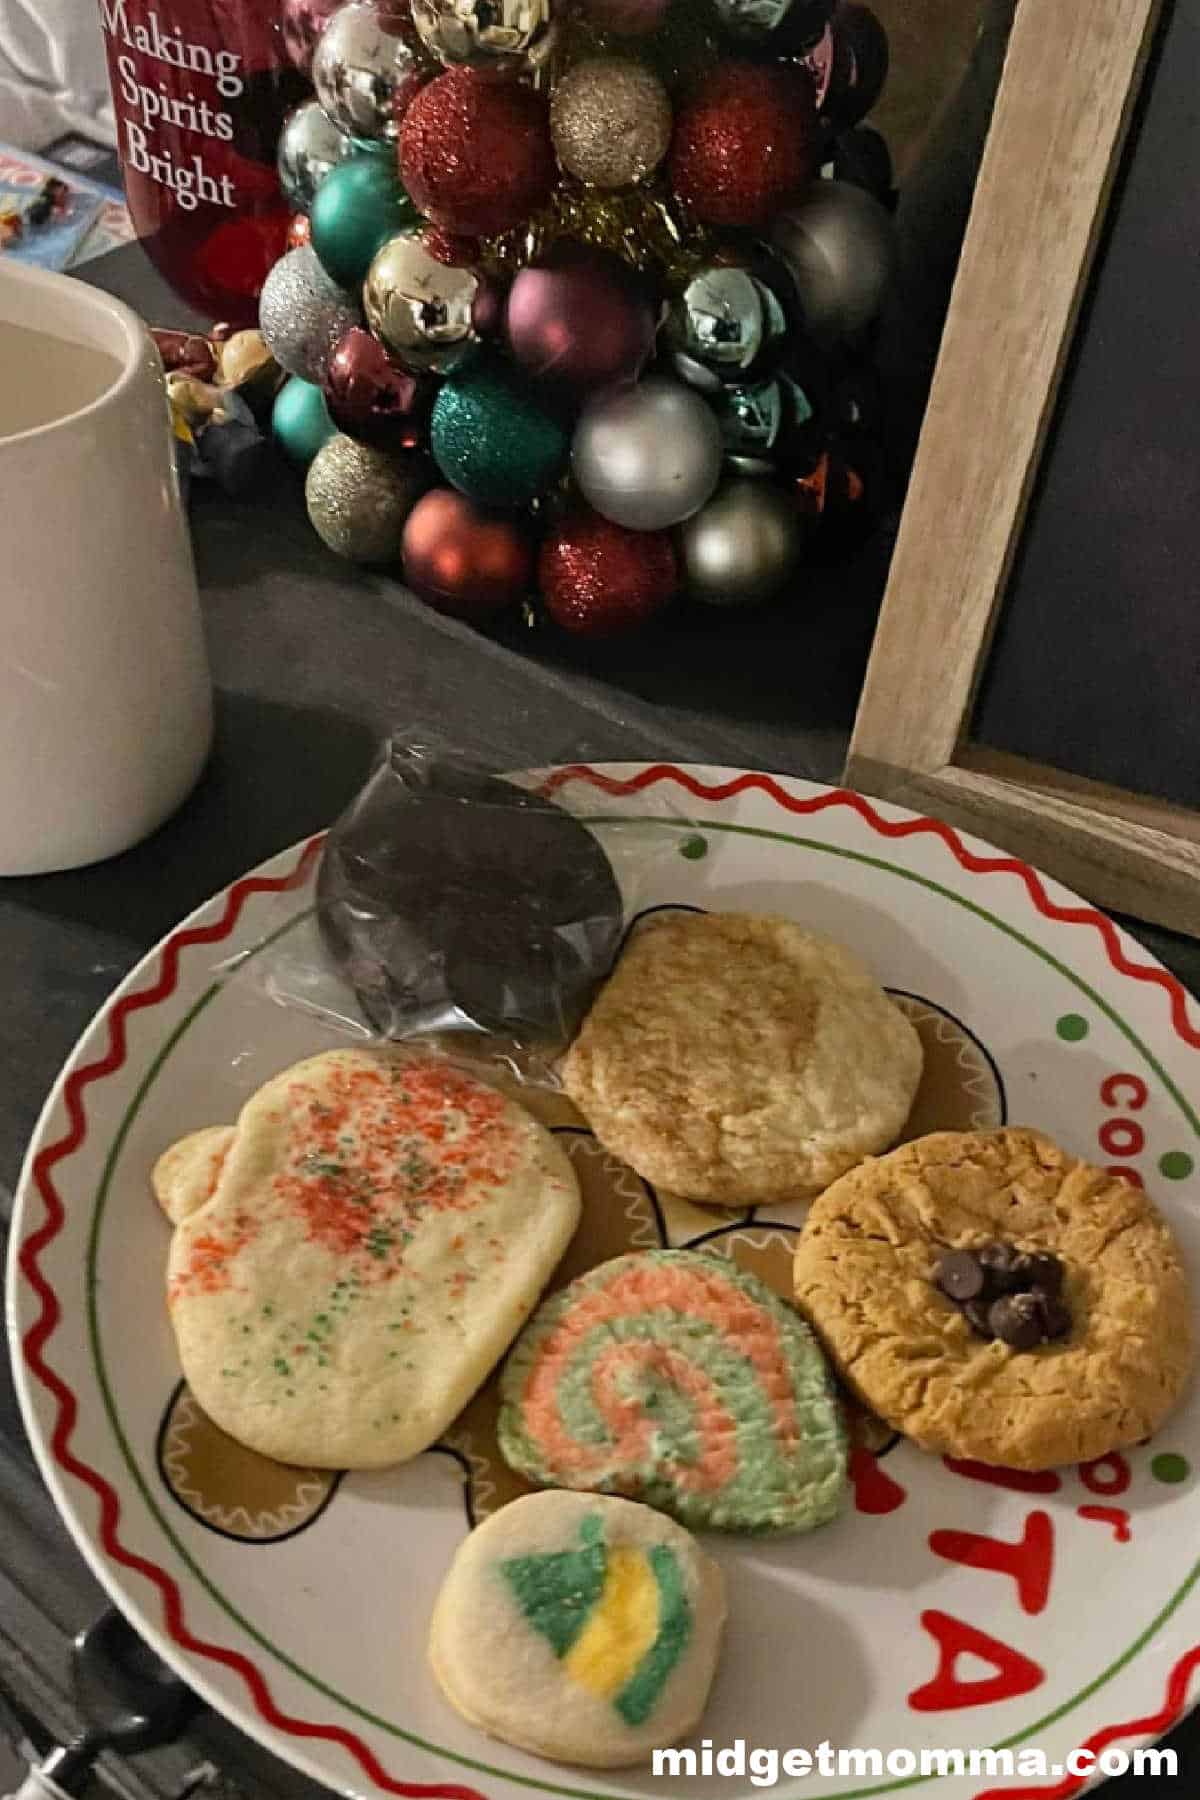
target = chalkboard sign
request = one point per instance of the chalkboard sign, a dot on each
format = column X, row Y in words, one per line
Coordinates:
column 1036, row 671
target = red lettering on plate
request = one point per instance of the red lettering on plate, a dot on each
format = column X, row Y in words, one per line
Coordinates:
column 1030, row 1561
column 1136, row 1093
column 1018, row 1481
column 1116, row 1516
column 1122, row 1137
column 1126, row 1174
column 1015, row 1674
column 1107, row 1475
column 874, row 1489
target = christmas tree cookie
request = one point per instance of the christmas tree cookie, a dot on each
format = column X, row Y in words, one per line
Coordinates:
column 581, row 1627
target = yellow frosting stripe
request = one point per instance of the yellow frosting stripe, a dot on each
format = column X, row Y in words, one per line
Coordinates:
column 621, row 1629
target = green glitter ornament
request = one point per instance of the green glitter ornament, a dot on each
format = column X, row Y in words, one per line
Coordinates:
column 493, row 441
column 357, row 208
column 300, row 421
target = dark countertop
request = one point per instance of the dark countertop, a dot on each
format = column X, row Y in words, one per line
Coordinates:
column 313, row 662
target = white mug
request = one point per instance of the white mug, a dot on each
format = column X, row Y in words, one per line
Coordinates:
column 105, row 695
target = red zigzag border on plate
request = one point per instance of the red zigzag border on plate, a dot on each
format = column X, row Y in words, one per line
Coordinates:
column 46, row 1324
column 1152, row 1726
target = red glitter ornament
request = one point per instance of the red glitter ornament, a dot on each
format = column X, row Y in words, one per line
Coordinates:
column 476, row 155
column 455, row 252
column 600, row 581
column 462, row 560
column 745, row 144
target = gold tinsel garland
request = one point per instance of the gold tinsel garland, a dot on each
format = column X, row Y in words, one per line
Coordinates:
column 645, row 227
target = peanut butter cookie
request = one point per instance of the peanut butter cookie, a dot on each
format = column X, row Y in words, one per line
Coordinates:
column 1066, row 1334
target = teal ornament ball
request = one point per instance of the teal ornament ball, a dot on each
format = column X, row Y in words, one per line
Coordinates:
column 493, row 441
column 358, row 206
column 300, row 421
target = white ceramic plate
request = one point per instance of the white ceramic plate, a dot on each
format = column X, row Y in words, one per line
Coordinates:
column 298, row 1606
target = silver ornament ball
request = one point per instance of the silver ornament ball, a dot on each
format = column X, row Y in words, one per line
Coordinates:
column 726, row 326
column 359, row 499
column 648, row 456
column 773, row 422
column 840, row 246
column 310, row 145
column 302, row 314
column 358, row 69
column 744, row 546
column 500, row 37
column 421, row 310
column 750, row 419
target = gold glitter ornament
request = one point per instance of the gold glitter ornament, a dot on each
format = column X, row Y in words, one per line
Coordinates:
column 643, row 226
column 611, row 119
column 359, row 498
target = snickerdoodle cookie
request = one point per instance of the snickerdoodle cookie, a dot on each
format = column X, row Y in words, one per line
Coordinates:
column 737, row 1060
column 1066, row 1332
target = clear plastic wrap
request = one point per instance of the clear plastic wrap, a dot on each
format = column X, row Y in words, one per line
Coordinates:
column 472, row 911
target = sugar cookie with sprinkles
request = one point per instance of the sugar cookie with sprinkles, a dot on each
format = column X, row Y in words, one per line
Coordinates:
column 678, row 1379
column 740, row 1060
column 380, row 1228
column 584, row 1628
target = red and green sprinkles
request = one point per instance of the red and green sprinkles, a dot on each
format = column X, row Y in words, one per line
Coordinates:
column 372, row 1153
column 675, row 1378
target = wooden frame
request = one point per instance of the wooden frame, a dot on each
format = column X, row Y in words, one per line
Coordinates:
column 1071, row 79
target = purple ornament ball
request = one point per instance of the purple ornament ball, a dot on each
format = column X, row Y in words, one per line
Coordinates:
column 579, row 321
column 372, row 400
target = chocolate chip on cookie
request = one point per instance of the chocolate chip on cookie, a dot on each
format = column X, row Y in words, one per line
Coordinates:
column 1042, row 1271
column 1006, row 1293
column 1056, row 1320
column 1016, row 1320
column 1001, row 1266
column 960, row 1275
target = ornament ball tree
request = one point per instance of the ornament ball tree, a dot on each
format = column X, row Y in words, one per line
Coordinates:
column 577, row 307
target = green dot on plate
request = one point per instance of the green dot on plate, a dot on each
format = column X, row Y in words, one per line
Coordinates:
column 1169, row 1467
column 1176, row 1165
column 1072, row 1028
column 694, row 848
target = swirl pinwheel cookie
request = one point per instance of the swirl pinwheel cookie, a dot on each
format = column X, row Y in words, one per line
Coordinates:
column 678, row 1379
column 379, row 1230
column 739, row 1060
column 583, row 1628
